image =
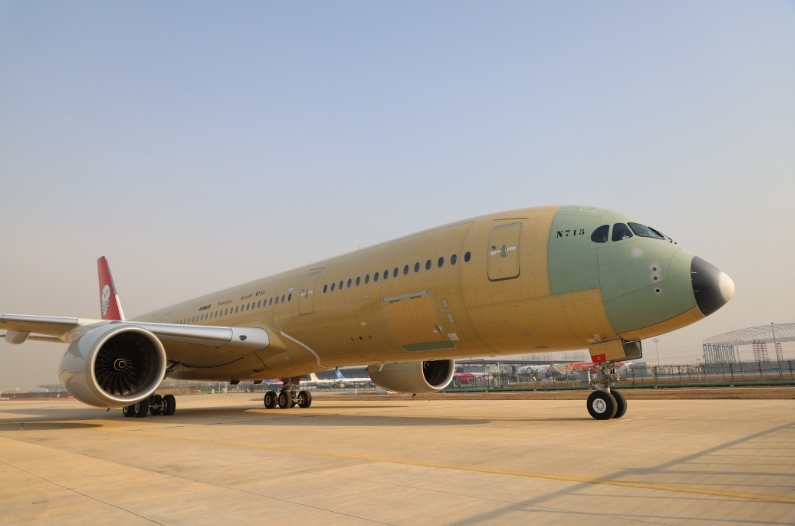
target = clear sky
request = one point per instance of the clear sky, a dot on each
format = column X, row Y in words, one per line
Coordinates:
column 203, row 144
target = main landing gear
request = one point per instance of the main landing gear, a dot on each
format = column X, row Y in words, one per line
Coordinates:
column 154, row 405
column 287, row 398
column 606, row 403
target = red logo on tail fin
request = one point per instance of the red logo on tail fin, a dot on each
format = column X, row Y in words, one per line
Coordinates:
column 109, row 303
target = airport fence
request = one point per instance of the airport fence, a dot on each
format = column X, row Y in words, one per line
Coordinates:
column 669, row 375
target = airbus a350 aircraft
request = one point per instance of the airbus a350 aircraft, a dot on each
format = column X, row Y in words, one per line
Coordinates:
column 537, row 279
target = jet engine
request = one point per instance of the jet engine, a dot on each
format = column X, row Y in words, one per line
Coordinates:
column 414, row 377
column 113, row 366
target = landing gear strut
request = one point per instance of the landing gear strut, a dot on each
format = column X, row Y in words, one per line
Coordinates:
column 154, row 405
column 287, row 398
column 606, row 403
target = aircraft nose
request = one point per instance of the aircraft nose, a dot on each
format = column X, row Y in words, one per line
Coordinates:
column 712, row 287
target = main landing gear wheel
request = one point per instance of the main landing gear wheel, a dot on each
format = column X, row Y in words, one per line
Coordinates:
column 141, row 409
column 286, row 400
column 170, row 404
column 156, row 405
column 304, row 399
column 128, row 411
column 270, row 400
column 602, row 405
column 621, row 403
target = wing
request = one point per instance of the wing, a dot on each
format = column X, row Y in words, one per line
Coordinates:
column 183, row 343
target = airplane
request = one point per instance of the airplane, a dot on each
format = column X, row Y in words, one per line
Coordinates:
column 542, row 279
column 590, row 366
column 536, row 370
column 339, row 379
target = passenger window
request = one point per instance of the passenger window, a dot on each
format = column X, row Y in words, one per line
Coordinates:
column 366, row 279
column 386, row 273
column 621, row 231
column 405, row 270
column 644, row 231
column 428, row 265
column 395, row 272
column 332, row 287
column 376, row 275
column 341, row 284
column 467, row 257
column 282, row 298
column 350, row 281
column 453, row 259
column 325, row 288
column 358, row 280
column 290, row 297
column 270, row 301
column 600, row 234
column 277, row 300
column 440, row 263
column 417, row 266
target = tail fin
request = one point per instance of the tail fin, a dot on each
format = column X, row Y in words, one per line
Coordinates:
column 313, row 377
column 109, row 303
column 339, row 374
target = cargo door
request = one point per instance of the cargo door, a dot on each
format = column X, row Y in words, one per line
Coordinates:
column 503, row 252
column 414, row 322
column 306, row 300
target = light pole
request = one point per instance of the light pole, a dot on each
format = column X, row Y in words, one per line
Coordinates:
column 658, row 352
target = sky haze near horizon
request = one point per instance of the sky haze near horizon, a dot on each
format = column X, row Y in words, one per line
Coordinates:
column 200, row 145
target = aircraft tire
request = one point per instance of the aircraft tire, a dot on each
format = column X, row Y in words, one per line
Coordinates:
column 156, row 408
column 269, row 400
column 141, row 409
column 170, row 404
column 128, row 411
column 286, row 400
column 602, row 405
column 304, row 399
column 621, row 403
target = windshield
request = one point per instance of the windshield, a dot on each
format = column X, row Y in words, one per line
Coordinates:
column 621, row 231
column 644, row 231
column 600, row 234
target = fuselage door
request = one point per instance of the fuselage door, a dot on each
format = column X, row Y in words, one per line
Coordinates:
column 306, row 300
column 503, row 252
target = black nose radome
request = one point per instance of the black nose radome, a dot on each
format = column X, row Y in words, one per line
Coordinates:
column 712, row 287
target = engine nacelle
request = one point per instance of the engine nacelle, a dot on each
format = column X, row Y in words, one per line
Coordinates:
column 113, row 366
column 428, row 376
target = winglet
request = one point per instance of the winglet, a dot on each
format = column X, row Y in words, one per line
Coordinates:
column 109, row 303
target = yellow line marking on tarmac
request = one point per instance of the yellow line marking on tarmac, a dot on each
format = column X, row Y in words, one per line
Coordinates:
column 659, row 486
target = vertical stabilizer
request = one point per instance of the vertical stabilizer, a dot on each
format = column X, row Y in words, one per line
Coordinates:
column 109, row 303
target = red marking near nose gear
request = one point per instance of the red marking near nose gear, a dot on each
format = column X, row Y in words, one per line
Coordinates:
column 599, row 358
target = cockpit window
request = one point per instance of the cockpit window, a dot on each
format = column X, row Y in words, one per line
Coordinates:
column 644, row 231
column 600, row 234
column 621, row 231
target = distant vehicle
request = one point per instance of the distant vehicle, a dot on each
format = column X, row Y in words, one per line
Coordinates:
column 464, row 377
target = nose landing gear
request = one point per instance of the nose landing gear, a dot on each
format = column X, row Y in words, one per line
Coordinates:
column 606, row 403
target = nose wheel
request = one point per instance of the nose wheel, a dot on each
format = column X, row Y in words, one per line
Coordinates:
column 606, row 403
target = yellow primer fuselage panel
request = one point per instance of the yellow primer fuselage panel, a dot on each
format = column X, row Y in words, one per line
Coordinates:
column 474, row 288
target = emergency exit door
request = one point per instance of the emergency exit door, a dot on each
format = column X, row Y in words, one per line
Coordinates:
column 306, row 300
column 503, row 252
